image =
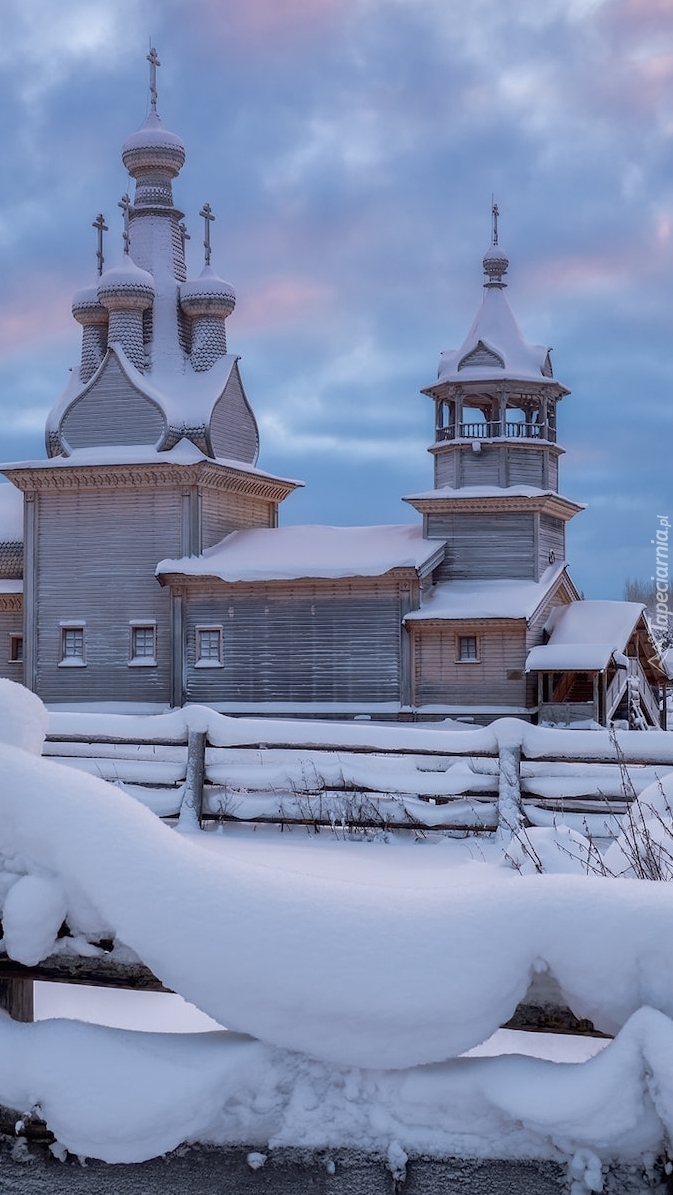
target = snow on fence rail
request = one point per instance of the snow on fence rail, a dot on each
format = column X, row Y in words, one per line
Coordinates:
column 198, row 765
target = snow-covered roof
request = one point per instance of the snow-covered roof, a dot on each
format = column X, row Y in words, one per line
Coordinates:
column 584, row 636
column 183, row 453
column 10, row 586
column 11, row 514
column 486, row 491
column 288, row 553
column 184, row 394
column 495, row 348
column 487, row 599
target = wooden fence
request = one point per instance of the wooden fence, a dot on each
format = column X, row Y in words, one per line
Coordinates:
column 414, row 780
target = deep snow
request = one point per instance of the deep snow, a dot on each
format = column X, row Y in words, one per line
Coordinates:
column 348, row 992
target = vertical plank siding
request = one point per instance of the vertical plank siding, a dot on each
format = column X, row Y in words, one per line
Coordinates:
column 298, row 641
column 499, row 463
column 482, row 545
column 233, row 430
column 551, row 539
column 223, row 512
column 440, row 679
column 112, row 411
column 446, row 472
column 480, row 468
column 525, row 466
column 102, row 573
column 11, row 623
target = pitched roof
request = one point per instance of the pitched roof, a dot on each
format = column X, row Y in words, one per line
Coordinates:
column 585, row 635
column 289, row 553
column 11, row 514
column 488, row 599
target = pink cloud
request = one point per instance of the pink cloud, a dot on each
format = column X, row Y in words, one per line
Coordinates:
column 264, row 18
column 37, row 311
column 612, row 266
column 282, row 300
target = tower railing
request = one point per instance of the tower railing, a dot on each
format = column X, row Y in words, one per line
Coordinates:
column 495, row 429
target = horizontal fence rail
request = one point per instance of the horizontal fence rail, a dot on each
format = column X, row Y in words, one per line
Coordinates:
column 430, row 781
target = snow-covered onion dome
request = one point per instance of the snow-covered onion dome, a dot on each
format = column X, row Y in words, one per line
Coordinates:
column 126, row 291
column 496, row 262
column 90, row 313
column 207, row 301
column 153, row 156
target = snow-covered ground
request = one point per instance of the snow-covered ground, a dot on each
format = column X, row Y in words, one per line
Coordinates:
column 352, row 975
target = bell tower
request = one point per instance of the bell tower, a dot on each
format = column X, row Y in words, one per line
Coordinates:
column 495, row 497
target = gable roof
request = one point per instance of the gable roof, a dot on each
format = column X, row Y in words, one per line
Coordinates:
column 504, row 598
column 495, row 348
column 290, row 553
column 11, row 514
column 584, row 636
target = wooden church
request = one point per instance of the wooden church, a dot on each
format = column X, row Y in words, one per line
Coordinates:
column 142, row 564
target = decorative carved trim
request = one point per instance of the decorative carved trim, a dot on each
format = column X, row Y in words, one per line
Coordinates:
column 552, row 504
column 465, row 443
column 149, row 475
column 11, row 602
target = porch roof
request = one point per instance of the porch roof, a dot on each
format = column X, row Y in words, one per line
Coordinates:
column 585, row 636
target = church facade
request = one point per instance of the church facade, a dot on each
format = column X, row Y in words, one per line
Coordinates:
column 148, row 567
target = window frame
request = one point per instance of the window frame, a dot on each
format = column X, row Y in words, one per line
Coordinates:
column 14, row 637
column 142, row 661
column 68, row 660
column 465, row 658
column 208, row 661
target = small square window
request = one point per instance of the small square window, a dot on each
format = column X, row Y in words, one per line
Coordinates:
column 209, row 647
column 73, row 645
column 16, row 649
column 143, row 644
column 468, row 652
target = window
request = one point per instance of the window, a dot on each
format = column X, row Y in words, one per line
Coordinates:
column 209, row 647
column 73, row 644
column 468, row 652
column 142, row 644
column 16, row 649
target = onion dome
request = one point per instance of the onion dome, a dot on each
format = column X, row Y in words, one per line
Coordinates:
column 153, row 148
column 208, row 295
column 87, row 308
column 126, row 288
column 496, row 262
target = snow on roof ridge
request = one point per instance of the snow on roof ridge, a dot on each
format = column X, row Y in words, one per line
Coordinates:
column 501, row 598
column 311, row 550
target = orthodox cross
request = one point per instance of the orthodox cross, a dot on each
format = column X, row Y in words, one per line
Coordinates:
column 125, row 205
column 153, row 59
column 184, row 235
column 102, row 227
column 494, row 214
column 208, row 217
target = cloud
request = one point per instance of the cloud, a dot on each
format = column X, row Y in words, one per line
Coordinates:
column 36, row 313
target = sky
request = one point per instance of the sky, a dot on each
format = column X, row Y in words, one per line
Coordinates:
column 350, row 150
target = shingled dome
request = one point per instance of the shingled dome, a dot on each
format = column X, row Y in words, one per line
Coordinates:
column 207, row 295
column 496, row 262
column 153, row 148
column 86, row 306
column 126, row 287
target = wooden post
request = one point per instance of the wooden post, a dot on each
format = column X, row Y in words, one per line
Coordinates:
column 190, row 809
column 16, row 998
column 510, row 810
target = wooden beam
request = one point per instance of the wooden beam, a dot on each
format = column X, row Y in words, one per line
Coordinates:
column 16, row 998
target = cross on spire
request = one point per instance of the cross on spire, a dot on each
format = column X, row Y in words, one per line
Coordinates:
column 494, row 218
column 125, row 205
column 184, row 235
column 208, row 217
column 102, row 227
column 153, row 59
